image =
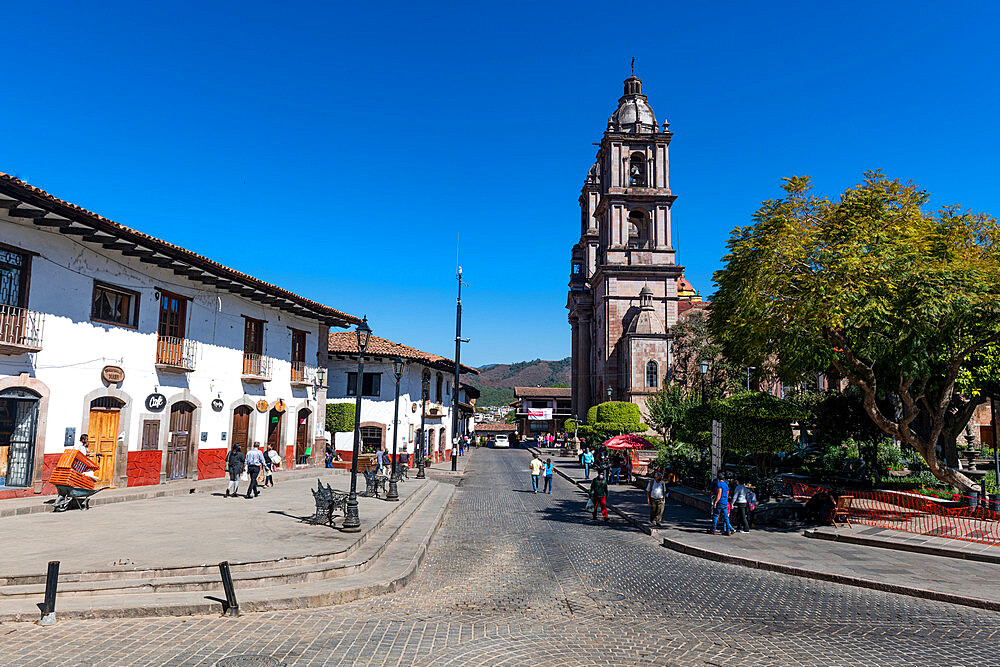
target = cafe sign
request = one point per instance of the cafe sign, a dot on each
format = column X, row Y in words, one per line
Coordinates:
column 155, row 402
column 113, row 374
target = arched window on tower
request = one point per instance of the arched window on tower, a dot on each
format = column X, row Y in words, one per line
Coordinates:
column 652, row 374
column 638, row 230
column 637, row 170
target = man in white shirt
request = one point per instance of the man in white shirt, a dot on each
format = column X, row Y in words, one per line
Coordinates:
column 656, row 494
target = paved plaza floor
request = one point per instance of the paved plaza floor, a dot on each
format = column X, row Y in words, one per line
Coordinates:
column 517, row 578
column 684, row 526
column 196, row 529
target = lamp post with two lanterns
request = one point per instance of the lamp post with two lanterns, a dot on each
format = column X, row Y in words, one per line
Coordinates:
column 352, row 522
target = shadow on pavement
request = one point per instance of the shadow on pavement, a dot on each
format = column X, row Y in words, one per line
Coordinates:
column 572, row 511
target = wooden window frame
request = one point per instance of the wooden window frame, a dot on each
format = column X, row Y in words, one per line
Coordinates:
column 25, row 285
column 247, row 319
column 159, row 308
column 353, row 375
column 303, row 334
column 132, row 294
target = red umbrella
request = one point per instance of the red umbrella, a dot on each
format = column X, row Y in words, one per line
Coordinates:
column 628, row 441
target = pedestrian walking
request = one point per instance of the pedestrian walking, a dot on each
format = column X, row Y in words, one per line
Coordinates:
column 272, row 463
column 404, row 460
column 741, row 507
column 720, row 506
column 384, row 462
column 330, row 454
column 536, row 470
column 255, row 460
column 587, row 459
column 656, row 495
column 599, row 494
column 616, row 469
column 548, row 476
column 234, row 465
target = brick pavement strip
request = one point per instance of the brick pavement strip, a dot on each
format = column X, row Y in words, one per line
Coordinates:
column 516, row 578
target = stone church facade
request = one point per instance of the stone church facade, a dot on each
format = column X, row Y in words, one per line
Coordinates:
column 623, row 277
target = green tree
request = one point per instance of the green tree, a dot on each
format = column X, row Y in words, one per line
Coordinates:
column 339, row 417
column 897, row 300
column 665, row 410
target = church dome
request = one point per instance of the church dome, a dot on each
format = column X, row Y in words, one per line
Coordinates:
column 634, row 115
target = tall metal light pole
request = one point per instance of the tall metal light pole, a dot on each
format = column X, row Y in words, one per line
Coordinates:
column 393, row 492
column 455, row 385
column 703, row 367
column 749, row 368
column 996, row 445
column 352, row 522
column 424, row 390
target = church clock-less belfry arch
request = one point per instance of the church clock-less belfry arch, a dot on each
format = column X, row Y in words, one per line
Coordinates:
column 623, row 273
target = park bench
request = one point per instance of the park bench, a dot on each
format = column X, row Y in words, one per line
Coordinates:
column 843, row 509
column 374, row 482
column 327, row 499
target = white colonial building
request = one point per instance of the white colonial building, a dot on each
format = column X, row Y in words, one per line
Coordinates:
column 162, row 357
column 378, row 387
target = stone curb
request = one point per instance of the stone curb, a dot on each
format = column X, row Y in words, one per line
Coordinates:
column 858, row 582
column 902, row 546
column 284, row 603
column 937, row 596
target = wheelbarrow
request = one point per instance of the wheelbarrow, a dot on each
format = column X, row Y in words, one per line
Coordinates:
column 72, row 495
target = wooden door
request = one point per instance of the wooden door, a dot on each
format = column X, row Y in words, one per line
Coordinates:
column 180, row 440
column 102, row 443
column 241, row 427
column 302, row 436
column 173, row 317
column 274, row 429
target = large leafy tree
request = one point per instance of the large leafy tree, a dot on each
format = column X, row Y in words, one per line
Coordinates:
column 902, row 302
column 666, row 408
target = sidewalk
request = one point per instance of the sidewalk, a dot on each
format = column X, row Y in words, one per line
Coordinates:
column 948, row 579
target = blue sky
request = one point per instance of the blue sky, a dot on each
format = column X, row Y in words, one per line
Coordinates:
column 340, row 149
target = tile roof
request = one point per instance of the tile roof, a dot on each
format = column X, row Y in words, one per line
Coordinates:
column 21, row 190
column 346, row 342
column 495, row 427
column 543, row 392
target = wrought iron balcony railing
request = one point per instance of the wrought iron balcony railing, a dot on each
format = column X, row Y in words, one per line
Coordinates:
column 20, row 330
column 176, row 354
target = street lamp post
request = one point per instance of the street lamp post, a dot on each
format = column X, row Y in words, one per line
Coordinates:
column 393, row 492
column 609, row 394
column 424, row 390
column 455, row 384
column 703, row 367
column 352, row 522
column 749, row 368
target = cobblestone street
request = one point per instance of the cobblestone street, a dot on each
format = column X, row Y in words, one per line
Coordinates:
column 514, row 578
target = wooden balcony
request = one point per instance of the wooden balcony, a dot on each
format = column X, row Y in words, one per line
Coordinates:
column 20, row 330
column 256, row 367
column 303, row 374
column 176, row 355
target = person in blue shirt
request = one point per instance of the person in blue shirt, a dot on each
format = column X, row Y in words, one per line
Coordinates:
column 720, row 506
column 548, row 477
column 588, row 460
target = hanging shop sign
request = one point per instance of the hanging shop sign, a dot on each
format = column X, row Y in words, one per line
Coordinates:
column 113, row 374
column 155, row 402
column 279, row 405
column 217, row 404
column 262, row 405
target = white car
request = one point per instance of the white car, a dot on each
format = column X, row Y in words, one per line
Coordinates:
column 501, row 442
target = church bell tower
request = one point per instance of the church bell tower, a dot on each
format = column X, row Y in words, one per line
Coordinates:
column 623, row 277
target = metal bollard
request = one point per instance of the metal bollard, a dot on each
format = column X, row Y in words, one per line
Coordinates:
column 232, row 607
column 48, row 606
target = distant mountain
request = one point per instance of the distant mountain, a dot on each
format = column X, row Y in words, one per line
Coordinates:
column 497, row 381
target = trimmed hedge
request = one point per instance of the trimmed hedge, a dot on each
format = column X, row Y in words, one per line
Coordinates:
column 340, row 417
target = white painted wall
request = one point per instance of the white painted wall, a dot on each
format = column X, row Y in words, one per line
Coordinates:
column 75, row 349
column 380, row 409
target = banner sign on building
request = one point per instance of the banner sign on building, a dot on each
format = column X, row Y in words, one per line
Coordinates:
column 539, row 414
